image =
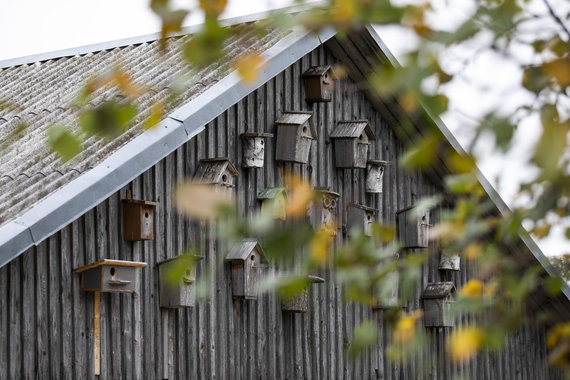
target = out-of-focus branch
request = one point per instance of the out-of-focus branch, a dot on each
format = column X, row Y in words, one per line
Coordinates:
column 555, row 16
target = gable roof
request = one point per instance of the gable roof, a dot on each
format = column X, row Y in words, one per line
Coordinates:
column 351, row 129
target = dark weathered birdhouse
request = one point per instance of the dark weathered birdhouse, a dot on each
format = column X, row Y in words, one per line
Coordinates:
column 375, row 175
column 273, row 201
column 319, row 84
column 247, row 259
column 413, row 231
column 253, row 149
column 138, row 219
column 299, row 303
column 438, row 298
column 360, row 217
column 295, row 133
column 178, row 281
column 110, row 276
column 351, row 140
column 325, row 210
column 218, row 172
column 449, row 262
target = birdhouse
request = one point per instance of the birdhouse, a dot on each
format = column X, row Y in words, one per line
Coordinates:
column 438, row 298
column 325, row 210
column 138, row 219
column 413, row 230
column 295, row 133
column 299, row 303
column 360, row 217
column 449, row 262
column 178, row 281
column 351, row 140
column 253, row 149
column 273, row 201
column 218, row 172
column 385, row 294
column 375, row 175
column 247, row 259
column 319, row 84
column 110, row 276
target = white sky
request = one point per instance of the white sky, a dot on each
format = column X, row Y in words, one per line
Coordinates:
column 489, row 79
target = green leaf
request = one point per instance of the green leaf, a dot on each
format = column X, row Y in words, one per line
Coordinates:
column 206, row 46
column 421, row 154
column 364, row 336
column 63, row 142
column 502, row 128
column 108, row 120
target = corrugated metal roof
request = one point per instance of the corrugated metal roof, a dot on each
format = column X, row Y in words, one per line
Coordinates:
column 438, row 290
column 42, row 94
column 352, row 129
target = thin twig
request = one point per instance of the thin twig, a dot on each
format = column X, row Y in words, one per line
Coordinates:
column 558, row 20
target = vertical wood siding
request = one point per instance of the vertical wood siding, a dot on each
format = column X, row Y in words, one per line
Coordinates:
column 46, row 320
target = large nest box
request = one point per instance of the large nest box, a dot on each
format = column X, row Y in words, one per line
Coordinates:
column 178, row 281
column 116, row 276
column 351, row 140
column 325, row 210
column 413, row 227
column 218, row 172
column 247, row 259
column 360, row 217
column 295, row 133
column 138, row 219
column 375, row 175
column 438, row 298
column 253, row 149
column 319, row 84
column 273, row 201
column 299, row 303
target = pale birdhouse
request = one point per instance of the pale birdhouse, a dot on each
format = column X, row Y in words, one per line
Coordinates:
column 319, row 84
column 138, row 219
column 438, row 298
column 295, row 133
column 360, row 217
column 299, row 303
column 385, row 295
column 413, row 231
column 449, row 262
column 116, row 276
column 178, row 281
column 247, row 259
column 325, row 210
column 351, row 140
column 375, row 175
column 218, row 172
column 273, row 201
column 253, row 149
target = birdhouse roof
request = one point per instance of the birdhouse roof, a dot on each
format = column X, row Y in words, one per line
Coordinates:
column 326, row 191
column 117, row 263
column 316, row 71
column 438, row 290
column 256, row 134
column 242, row 250
column 362, row 207
column 210, row 169
column 271, row 193
column 352, row 129
column 294, row 117
column 188, row 258
column 378, row 163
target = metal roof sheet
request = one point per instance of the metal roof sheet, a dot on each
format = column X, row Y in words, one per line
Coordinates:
column 438, row 290
column 242, row 250
column 352, row 129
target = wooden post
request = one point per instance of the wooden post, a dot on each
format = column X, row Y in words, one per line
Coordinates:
column 165, row 346
column 97, row 334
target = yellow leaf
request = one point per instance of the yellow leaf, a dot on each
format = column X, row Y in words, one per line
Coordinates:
column 555, row 334
column 560, row 70
column 406, row 327
column 472, row 289
column 319, row 246
column 200, row 201
column 473, row 251
column 300, row 194
column 464, row 343
column 213, row 7
column 343, row 11
column 156, row 113
column 248, row 66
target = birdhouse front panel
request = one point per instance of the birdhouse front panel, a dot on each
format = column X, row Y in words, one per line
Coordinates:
column 178, row 281
column 449, row 262
column 247, row 259
column 386, row 297
column 438, row 300
column 253, row 149
column 273, row 202
column 110, row 276
column 413, row 231
column 218, row 172
column 375, row 175
column 351, row 140
column 138, row 219
column 299, row 303
column 326, row 210
column 360, row 217
column 318, row 83
column 295, row 134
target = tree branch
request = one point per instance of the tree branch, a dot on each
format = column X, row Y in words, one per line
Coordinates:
column 555, row 16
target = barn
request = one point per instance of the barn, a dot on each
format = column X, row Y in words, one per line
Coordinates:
column 58, row 217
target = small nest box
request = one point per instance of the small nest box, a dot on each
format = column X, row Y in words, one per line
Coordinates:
column 385, row 295
column 218, row 172
column 299, row 303
column 449, row 262
column 295, row 133
column 138, row 219
column 253, row 149
column 351, row 140
column 247, row 259
column 319, row 84
column 413, row 231
column 375, row 175
column 273, row 201
column 325, row 210
column 178, row 281
column 115, row 276
column 438, row 298
column 360, row 217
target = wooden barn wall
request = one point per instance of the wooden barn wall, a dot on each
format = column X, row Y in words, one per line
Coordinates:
column 46, row 320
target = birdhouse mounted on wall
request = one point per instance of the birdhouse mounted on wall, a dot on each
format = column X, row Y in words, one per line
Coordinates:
column 299, row 303
column 360, row 217
column 326, row 210
column 110, row 276
column 385, row 294
column 273, row 201
column 319, row 84
column 295, row 133
column 438, row 298
column 218, row 172
column 138, row 219
column 351, row 140
column 449, row 262
column 247, row 259
column 178, row 281
column 375, row 175
column 253, row 149
column 413, row 231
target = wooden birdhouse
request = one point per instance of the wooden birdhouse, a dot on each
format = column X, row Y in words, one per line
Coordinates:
column 295, row 133
column 299, row 303
column 218, row 172
column 273, row 201
column 325, row 210
column 247, row 259
column 110, row 276
column 351, row 140
column 438, row 298
column 138, row 219
column 319, row 84
column 375, row 175
column 413, row 231
column 385, row 294
column 253, row 149
column 360, row 217
column 178, row 281
column 449, row 262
